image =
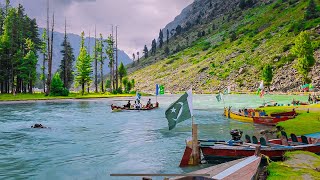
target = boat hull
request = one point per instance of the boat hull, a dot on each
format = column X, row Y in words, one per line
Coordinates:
column 237, row 117
column 214, row 154
column 291, row 113
column 270, row 121
column 120, row 109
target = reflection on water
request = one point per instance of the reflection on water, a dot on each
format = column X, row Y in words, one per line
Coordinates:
column 88, row 141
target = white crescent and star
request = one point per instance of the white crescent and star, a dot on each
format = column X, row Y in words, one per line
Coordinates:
column 180, row 111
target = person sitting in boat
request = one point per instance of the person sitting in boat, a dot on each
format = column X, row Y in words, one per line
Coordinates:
column 149, row 105
column 137, row 105
column 38, row 126
column 245, row 112
column 127, row 105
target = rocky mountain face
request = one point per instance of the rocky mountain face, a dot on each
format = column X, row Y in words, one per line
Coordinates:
column 75, row 44
column 222, row 44
column 201, row 11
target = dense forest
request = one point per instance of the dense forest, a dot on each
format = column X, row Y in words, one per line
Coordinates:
column 19, row 43
column 22, row 48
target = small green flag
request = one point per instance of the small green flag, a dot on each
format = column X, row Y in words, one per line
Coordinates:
column 180, row 110
column 161, row 89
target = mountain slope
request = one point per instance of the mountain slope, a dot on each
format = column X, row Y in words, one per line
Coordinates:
column 227, row 45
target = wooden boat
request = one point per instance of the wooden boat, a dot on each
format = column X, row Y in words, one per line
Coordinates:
column 290, row 113
column 245, row 168
column 237, row 116
column 119, row 109
column 274, row 149
column 270, row 121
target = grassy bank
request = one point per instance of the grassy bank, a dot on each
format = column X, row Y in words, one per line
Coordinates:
column 298, row 165
column 41, row 96
column 304, row 123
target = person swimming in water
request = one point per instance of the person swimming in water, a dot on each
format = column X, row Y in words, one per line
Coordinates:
column 38, row 126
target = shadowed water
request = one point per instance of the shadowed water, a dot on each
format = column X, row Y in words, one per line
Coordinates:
column 88, row 141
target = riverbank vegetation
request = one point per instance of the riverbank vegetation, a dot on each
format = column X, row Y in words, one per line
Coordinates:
column 298, row 165
column 41, row 96
column 307, row 121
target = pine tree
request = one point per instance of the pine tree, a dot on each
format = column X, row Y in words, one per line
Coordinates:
column 167, row 50
column 122, row 72
column 95, row 61
column 153, row 47
column 101, row 58
column 178, row 30
column 19, row 42
column 84, row 67
column 138, row 56
column 160, row 39
column 145, row 51
column 133, row 57
column 110, row 54
column 304, row 51
column 66, row 66
column 242, row 4
column 30, row 63
column 7, row 51
column 57, row 87
column 267, row 75
column 44, row 59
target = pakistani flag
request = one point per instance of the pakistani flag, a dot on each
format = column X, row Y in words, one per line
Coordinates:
column 180, row 110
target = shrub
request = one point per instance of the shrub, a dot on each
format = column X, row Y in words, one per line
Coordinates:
column 194, row 54
column 297, row 27
column 57, row 88
column 206, row 46
column 286, row 47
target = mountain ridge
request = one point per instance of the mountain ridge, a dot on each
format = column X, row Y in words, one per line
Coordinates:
column 75, row 44
column 228, row 45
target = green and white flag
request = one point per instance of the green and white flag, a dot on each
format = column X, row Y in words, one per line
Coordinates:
column 180, row 110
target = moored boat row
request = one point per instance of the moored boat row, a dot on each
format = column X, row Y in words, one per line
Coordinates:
column 259, row 117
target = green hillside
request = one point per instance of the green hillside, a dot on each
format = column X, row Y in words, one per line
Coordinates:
column 235, row 47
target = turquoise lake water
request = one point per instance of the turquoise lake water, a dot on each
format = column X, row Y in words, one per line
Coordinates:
column 88, row 141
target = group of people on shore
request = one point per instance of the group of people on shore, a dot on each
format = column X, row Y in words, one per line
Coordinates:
column 313, row 99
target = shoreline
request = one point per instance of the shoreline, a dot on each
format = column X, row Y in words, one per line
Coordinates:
column 59, row 99
column 39, row 98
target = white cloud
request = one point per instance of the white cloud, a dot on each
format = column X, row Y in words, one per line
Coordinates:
column 139, row 21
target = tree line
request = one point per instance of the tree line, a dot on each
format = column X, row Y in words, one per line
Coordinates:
column 21, row 46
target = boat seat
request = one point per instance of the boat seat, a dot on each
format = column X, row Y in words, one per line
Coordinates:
column 284, row 134
column 263, row 141
column 254, row 140
column 304, row 140
column 248, row 139
column 294, row 137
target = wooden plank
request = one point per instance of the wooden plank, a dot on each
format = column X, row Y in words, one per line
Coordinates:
column 236, row 168
column 195, row 145
column 213, row 170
